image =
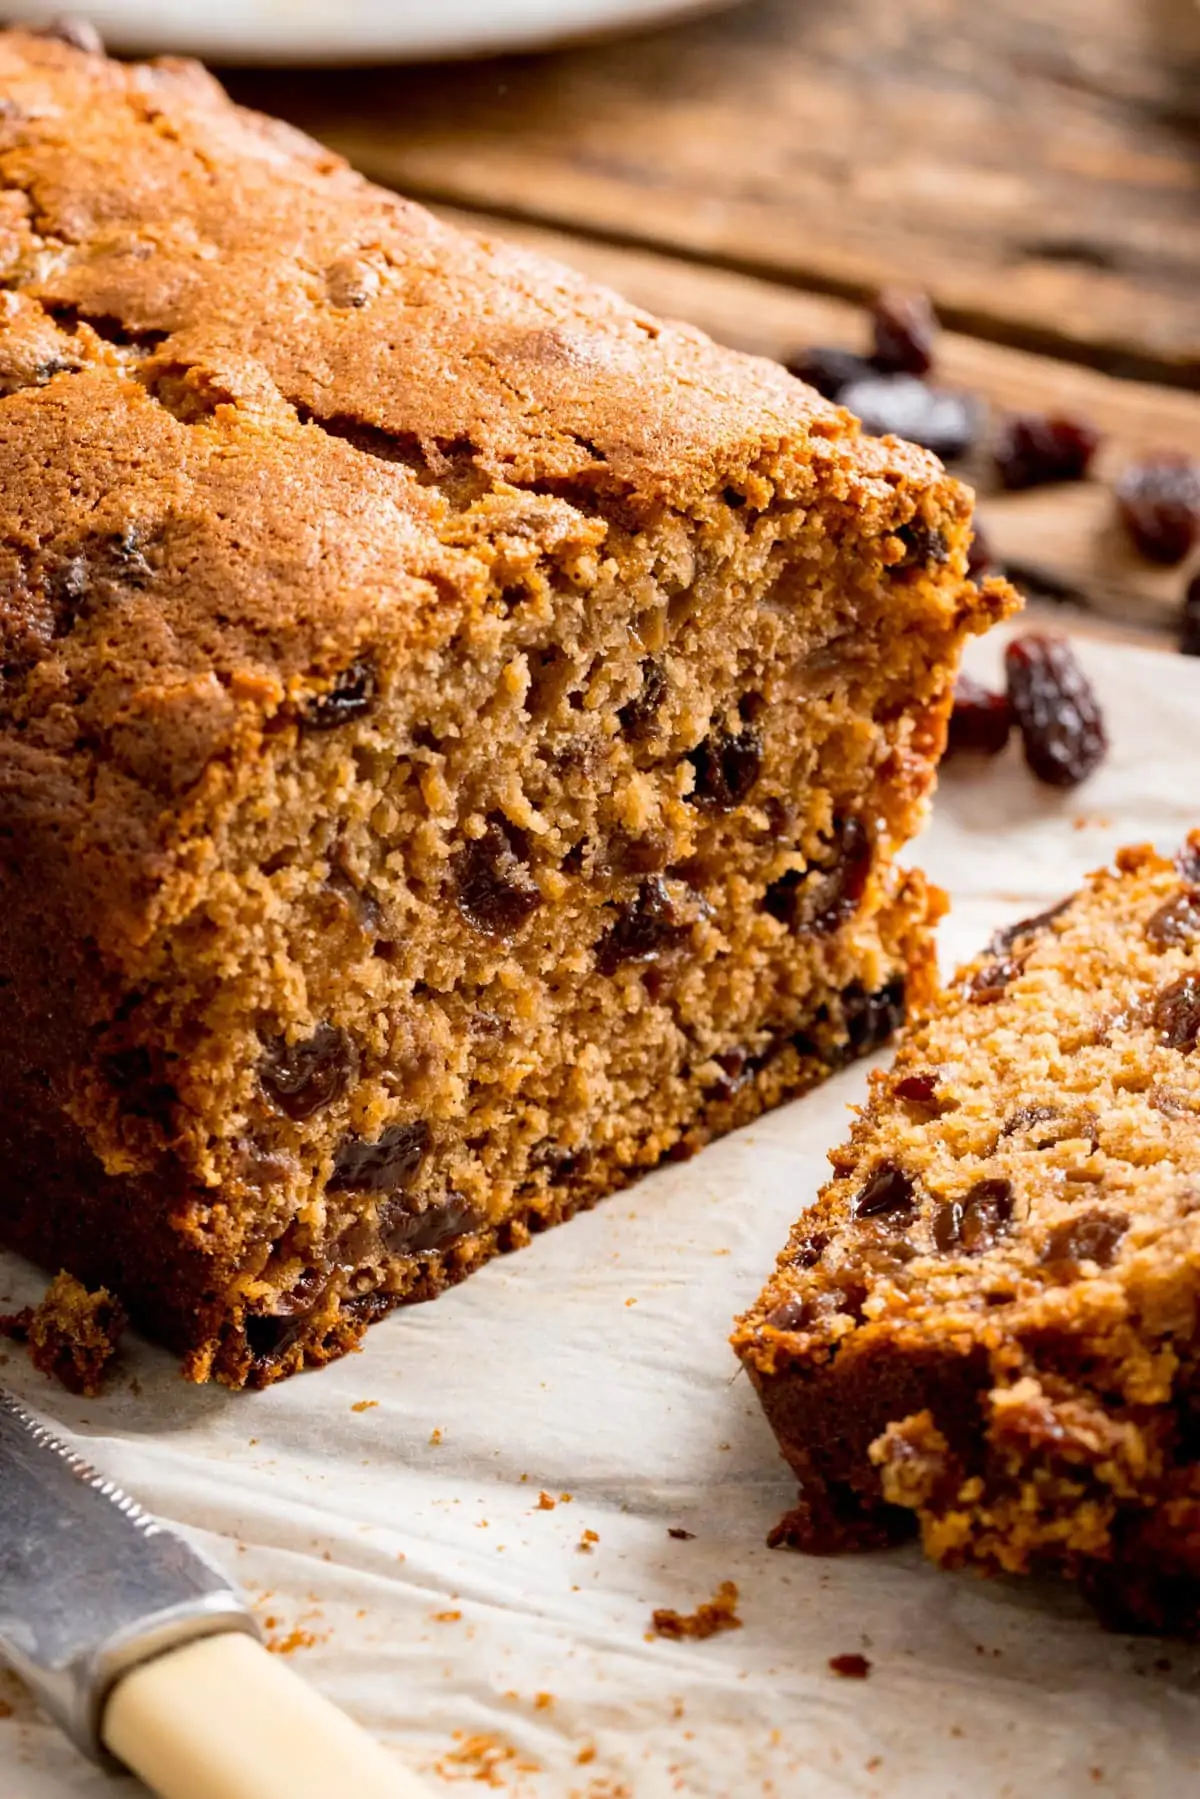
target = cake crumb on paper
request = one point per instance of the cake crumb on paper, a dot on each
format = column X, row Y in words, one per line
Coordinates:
column 363, row 1405
column 545, row 1503
column 587, row 1542
column 717, row 1614
column 72, row 1334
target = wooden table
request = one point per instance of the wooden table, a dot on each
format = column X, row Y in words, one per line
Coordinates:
column 1034, row 164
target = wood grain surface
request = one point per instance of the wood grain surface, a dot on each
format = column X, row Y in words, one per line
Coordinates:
column 1035, row 164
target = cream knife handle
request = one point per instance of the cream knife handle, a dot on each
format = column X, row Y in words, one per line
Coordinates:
column 222, row 1718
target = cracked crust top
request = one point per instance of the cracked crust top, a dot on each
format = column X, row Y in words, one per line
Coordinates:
column 255, row 411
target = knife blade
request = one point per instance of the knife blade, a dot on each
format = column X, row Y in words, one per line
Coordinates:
column 143, row 1651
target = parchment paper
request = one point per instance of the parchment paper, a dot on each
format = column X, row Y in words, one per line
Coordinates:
column 400, row 1551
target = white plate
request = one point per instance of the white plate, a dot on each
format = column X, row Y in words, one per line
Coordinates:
column 319, row 31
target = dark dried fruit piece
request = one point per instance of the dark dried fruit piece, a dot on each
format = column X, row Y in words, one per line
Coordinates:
column 980, row 722
column 822, row 898
column 947, row 1226
column 389, row 1165
column 986, row 1212
column 1158, row 501
column 989, row 983
column 905, row 327
column 638, row 715
column 1189, row 619
column 726, row 768
column 807, row 1252
column 923, row 544
column 1188, row 861
column 1004, row 939
column 1056, row 710
column 415, row 1233
column 495, row 891
column 1093, row 1236
column 872, row 1019
column 888, row 1192
column 792, row 1315
column 1176, row 1014
column 917, row 1089
column 1176, row 921
column 350, row 696
column 303, row 1078
column 941, row 419
column 828, row 370
column 642, row 930
column 1036, row 448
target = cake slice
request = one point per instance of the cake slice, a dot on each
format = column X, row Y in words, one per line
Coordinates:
column 455, row 730
column 987, row 1324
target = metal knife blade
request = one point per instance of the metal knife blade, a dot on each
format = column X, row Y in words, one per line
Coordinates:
column 90, row 1584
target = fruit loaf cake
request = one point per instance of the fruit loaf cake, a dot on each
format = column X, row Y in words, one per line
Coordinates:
column 987, row 1324
column 455, row 729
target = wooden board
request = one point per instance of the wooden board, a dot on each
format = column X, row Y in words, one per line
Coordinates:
column 1060, row 540
column 1034, row 163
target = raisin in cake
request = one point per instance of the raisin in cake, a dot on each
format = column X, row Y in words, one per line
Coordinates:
column 455, row 730
column 987, row 1324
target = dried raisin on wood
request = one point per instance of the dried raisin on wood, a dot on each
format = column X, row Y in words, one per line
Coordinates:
column 1034, row 449
column 1158, row 501
column 1056, row 710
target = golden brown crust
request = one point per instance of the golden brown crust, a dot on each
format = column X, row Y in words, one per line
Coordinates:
column 987, row 1324
column 448, row 721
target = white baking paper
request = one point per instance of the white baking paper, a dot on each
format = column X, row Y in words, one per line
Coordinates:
column 384, row 1513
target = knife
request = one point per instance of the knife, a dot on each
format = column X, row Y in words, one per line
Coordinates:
column 146, row 1655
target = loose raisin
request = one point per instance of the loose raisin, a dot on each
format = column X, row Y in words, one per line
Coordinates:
column 888, row 1192
column 905, row 328
column 1056, row 710
column 726, row 768
column 350, row 695
column 643, row 929
column 1176, row 921
column 1037, row 448
column 1158, row 501
column 1091, row 1237
column 388, row 1165
column 942, row 420
column 495, row 891
column 1189, row 619
column 639, row 715
column 1176, row 1014
column 828, row 370
column 823, row 897
column 986, row 1211
column 980, row 722
column 303, row 1078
